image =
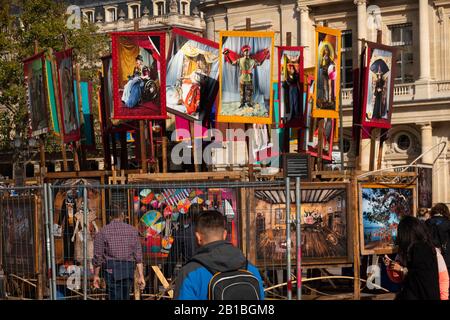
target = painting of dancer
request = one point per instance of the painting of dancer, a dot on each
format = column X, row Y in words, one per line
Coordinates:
column 246, row 63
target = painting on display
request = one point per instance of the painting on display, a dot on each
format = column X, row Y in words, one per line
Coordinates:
column 34, row 72
column 159, row 212
column 50, row 84
column 192, row 75
column 425, row 189
column 378, row 85
column 108, row 88
column 329, row 125
column 324, row 225
column 68, row 110
column 246, row 64
column 327, row 73
column 290, row 81
column 18, row 221
column 87, row 128
column 382, row 207
column 139, row 77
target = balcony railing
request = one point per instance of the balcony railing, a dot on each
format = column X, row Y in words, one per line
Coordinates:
column 407, row 92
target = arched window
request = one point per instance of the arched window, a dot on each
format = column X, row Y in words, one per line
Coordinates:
column 159, row 8
column 89, row 16
column 134, row 11
column 110, row 14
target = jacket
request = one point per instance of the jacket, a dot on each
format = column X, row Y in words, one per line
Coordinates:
column 219, row 256
column 441, row 236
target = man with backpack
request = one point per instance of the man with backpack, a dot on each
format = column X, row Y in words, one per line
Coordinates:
column 218, row 270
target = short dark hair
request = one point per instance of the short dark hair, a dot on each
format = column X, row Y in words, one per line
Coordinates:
column 440, row 208
column 116, row 210
column 210, row 221
column 410, row 231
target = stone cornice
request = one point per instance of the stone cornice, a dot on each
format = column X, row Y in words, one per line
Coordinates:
column 360, row 2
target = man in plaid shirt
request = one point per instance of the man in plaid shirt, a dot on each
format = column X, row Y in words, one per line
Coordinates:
column 117, row 248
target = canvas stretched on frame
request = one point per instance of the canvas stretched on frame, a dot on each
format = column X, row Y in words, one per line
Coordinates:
column 35, row 78
column 384, row 232
column 331, row 111
column 227, row 71
column 376, row 53
column 69, row 113
column 153, row 107
column 209, row 85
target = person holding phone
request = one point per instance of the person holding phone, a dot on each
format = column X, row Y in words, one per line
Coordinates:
column 416, row 265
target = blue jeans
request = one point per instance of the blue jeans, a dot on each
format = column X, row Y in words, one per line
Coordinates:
column 117, row 289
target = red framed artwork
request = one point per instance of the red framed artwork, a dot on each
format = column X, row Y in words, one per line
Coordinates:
column 139, row 77
column 34, row 73
column 329, row 126
column 192, row 75
column 290, row 86
column 378, row 85
column 66, row 87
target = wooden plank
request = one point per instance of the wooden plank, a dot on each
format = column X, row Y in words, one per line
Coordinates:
column 75, row 174
column 164, row 153
column 356, row 249
column 185, row 176
column 163, row 280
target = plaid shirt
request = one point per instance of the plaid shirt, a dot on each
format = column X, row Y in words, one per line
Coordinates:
column 117, row 241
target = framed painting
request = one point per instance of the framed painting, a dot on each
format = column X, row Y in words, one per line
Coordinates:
column 35, row 81
column 192, row 75
column 245, row 77
column 327, row 73
column 425, row 189
column 381, row 208
column 325, row 225
column 290, row 82
column 18, row 220
column 378, row 85
column 329, row 126
column 87, row 129
column 108, row 88
column 51, row 96
column 69, row 112
column 139, row 77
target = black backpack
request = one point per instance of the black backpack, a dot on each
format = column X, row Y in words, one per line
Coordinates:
column 441, row 242
column 237, row 284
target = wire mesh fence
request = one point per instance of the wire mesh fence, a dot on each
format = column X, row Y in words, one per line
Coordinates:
column 57, row 238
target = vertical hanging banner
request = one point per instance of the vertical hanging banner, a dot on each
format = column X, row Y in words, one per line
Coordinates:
column 108, row 89
column 378, row 86
column 328, row 71
column 49, row 80
column 34, row 72
column 69, row 114
column 192, row 75
column 139, row 77
column 246, row 66
column 88, row 134
column 290, row 82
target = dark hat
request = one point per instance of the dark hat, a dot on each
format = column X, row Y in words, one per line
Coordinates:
column 139, row 57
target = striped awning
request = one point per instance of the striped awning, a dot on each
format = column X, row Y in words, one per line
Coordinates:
column 307, row 195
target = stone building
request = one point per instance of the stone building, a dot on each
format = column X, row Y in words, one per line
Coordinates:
column 419, row 28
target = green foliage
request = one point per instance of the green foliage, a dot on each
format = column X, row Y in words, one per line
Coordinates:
column 43, row 21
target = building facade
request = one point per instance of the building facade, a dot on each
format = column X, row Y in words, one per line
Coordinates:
column 419, row 28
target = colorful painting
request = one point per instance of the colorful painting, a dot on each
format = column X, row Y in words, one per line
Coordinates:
column 328, row 69
column 378, row 86
column 18, row 221
column 382, row 207
column 324, row 231
column 192, row 75
column 290, row 81
column 246, row 63
column 139, row 77
column 159, row 212
column 87, row 127
column 50, row 84
column 69, row 112
column 34, row 72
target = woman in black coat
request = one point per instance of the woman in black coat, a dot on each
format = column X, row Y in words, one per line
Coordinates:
column 419, row 266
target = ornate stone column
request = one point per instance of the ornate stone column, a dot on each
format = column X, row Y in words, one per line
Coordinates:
column 304, row 22
column 427, row 142
column 362, row 22
column 424, row 34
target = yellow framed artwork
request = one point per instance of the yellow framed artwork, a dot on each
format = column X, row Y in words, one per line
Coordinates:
column 245, row 77
column 328, row 74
